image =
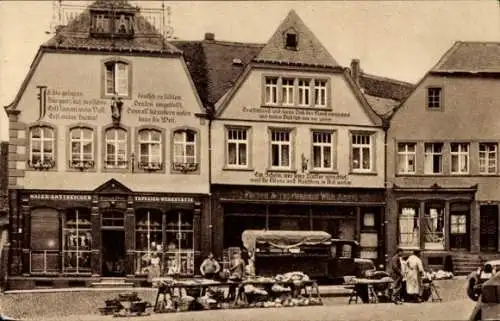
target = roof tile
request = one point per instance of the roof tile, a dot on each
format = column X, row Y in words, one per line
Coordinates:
column 471, row 57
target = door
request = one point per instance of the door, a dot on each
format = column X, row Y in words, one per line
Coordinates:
column 459, row 226
column 489, row 228
column 113, row 253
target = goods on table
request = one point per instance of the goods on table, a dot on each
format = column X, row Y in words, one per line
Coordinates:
column 126, row 304
column 279, row 288
column 297, row 278
column 440, row 275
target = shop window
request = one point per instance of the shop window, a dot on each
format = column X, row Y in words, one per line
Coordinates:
column 488, row 158
column 433, row 158
column 116, row 78
column 148, row 238
column 185, row 150
column 42, row 147
column 180, row 244
column 82, row 148
column 281, row 146
column 459, row 158
column 434, row 98
column 116, row 140
column 361, row 153
column 237, row 147
column 150, row 150
column 433, row 227
column 271, row 91
column 322, row 150
column 77, row 241
column 409, row 226
column 406, row 158
column 45, row 244
column 304, row 88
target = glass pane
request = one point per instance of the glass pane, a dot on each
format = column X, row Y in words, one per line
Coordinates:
column 144, row 135
column 275, row 155
column 231, row 151
column 190, row 151
column 366, row 158
column 242, row 154
column 356, row 158
column 190, row 136
column 75, row 134
column 87, row 147
column 36, row 132
column 285, row 154
column 327, row 157
column 316, row 156
column 48, row 132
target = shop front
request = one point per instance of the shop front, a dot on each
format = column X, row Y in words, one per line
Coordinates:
column 354, row 214
column 65, row 238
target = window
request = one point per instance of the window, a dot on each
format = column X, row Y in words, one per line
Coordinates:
column 459, row 158
column 149, row 238
column 320, row 93
column 458, row 224
column 487, row 158
column 82, row 148
column 42, row 144
column 116, row 148
column 280, row 149
column 185, row 150
column 304, row 93
column 406, row 158
column 361, row 153
column 409, row 226
column 45, row 244
column 117, row 78
column 433, row 227
column 112, row 219
column 322, row 150
column 434, row 98
column 123, row 24
column 180, row 243
column 150, row 149
column 237, row 147
column 271, row 91
column 77, row 240
column 287, row 95
column 291, row 40
column 433, row 159
column 103, row 23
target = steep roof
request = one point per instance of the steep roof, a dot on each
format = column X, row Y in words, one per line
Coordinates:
column 309, row 50
column 470, row 57
column 76, row 36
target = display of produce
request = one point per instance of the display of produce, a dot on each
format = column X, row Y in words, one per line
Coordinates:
column 126, row 304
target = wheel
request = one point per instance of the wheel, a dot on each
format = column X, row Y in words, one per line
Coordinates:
column 426, row 294
column 471, row 291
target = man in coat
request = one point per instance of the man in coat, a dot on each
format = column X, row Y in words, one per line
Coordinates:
column 397, row 277
column 415, row 271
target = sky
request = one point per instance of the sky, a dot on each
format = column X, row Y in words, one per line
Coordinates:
column 396, row 39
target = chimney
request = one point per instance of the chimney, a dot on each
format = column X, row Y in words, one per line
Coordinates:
column 355, row 70
column 209, row 36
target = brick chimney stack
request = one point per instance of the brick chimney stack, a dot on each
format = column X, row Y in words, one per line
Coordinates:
column 355, row 70
column 209, row 36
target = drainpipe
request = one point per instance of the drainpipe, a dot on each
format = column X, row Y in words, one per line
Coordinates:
column 385, row 126
column 210, row 226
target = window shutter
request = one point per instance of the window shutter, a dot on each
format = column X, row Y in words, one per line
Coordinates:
column 122, row 79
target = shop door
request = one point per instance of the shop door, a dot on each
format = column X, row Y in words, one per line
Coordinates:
column 113, row 244
column 489, row 228
column 459, row 227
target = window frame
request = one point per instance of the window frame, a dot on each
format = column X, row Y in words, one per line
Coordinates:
column 414, row 205
column 316, row 90
column 115, row 61
column 432, row 153
column 406, row 154
column 332, row 145
column 247, row 141
column 50, row 165
column 306, row 89
column 291, row 149
column 186, row 167
column 128, row 143
column 77, row 228
column 271, row 87
column 459, row 154
column 439, row 99
column 372, row 137
column 150, row 166
column 291, row 91
column 69, row 155
column 487, row 154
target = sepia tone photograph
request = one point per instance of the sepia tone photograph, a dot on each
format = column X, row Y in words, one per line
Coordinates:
column 249, row 160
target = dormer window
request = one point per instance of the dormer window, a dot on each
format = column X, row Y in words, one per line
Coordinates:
column 291, row 40
column 106, row 23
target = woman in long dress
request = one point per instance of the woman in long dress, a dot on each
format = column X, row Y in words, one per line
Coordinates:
column 414, row 272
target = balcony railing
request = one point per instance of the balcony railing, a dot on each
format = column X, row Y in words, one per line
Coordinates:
column 42, row 164
column 81, row 164
column 150, row 166
column 185, row 167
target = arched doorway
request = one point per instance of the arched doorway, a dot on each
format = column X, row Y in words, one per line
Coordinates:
column 113, row 244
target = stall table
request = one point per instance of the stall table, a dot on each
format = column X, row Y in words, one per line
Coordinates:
column 365, row 289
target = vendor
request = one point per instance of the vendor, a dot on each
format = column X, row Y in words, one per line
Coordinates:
column 237, row 268
column 210, row 267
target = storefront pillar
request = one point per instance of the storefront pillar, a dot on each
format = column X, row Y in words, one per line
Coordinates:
column 129, row 237
column 24, row 221
column 475, row 221
column 446, row 225
column 421, row 224
column 197, row 234
column 218, row 228
column 95, row 221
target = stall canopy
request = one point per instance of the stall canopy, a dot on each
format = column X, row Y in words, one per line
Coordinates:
column 283, row 239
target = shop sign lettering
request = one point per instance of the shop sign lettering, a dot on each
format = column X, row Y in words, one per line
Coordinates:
column 113, row 198
column 60, row 197
column 157, row 108
column 299, row 178
column 164, row 199
column 302, row 196
column 294, row 114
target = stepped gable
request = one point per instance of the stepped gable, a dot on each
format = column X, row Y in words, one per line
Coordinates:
column 76, row 34
column 470, row 57
column 309, row 50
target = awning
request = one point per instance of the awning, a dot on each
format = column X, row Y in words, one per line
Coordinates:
column 283, row 239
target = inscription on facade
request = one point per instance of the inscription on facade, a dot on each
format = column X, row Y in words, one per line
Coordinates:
column 303, row 196
column 299, row 178
column 164, row 199
column 60, row 197
column 157, row 108
column 294, row 114
column 69, row 105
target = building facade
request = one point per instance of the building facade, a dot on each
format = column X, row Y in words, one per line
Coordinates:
column 106, row 160
column 4, row 212
column 442, row 157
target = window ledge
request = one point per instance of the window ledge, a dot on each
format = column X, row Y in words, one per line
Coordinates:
column 312, row 107
column 363, row 173
column 116, row 170
column 323, row 171
column 77, row 170
column 238, row 169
